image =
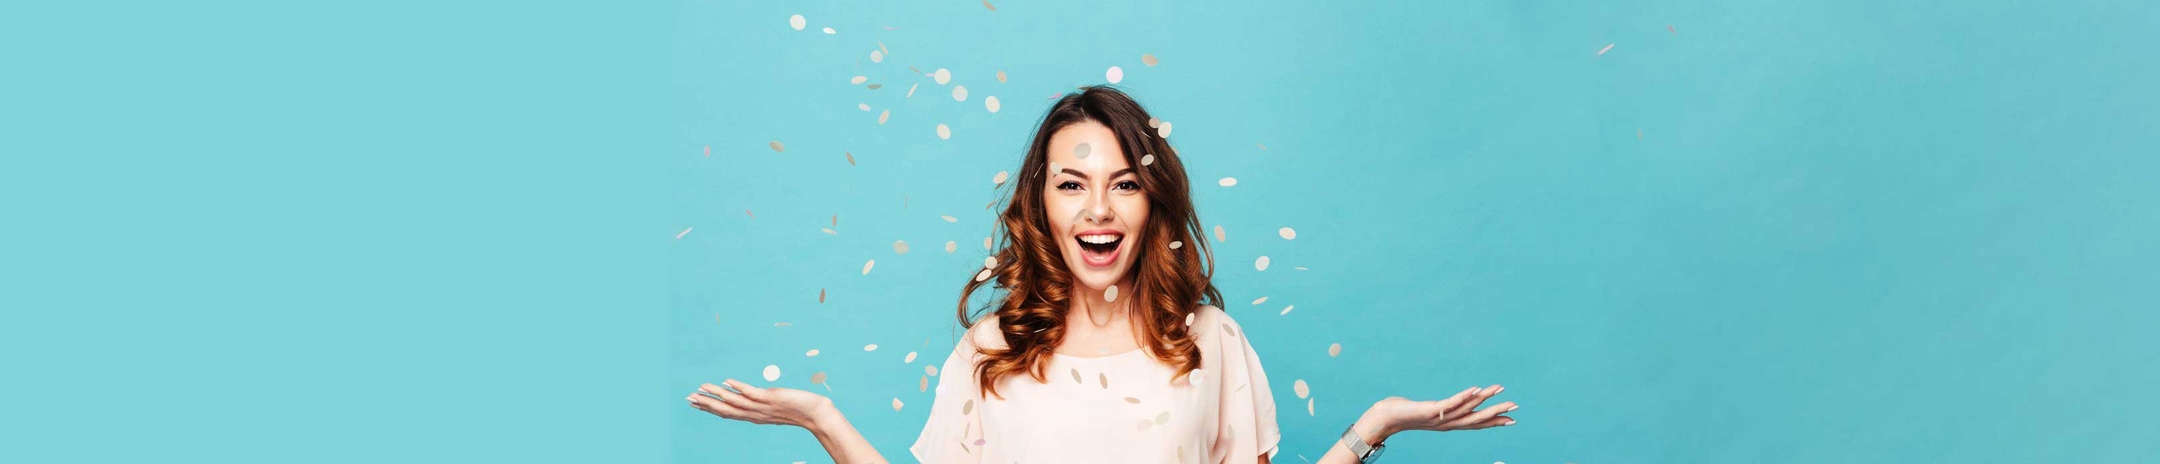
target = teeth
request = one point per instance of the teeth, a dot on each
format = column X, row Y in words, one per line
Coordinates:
column 1099, row 239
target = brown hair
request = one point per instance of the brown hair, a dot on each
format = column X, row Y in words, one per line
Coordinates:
column 1030, row 268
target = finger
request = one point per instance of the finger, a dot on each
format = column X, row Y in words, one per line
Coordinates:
column 1482, row 415
column 1448, row 404
column 718, row 408
column 738, row 400
column 1496, row 421
column 1475, row 399
column 754, row 393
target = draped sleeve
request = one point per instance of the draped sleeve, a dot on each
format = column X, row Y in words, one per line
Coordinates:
column 955, row 426
column 1247, row 415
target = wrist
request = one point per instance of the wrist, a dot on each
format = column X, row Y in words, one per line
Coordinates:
column 1374, row 427
column 824, row 418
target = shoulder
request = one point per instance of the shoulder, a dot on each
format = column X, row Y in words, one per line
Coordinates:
column 1211, row 319
column 985, row 334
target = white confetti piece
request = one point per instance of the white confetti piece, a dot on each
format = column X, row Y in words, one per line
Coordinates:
column 1195, row 376
column 1189, row 318
column 1162, row 418
column 910, row 358
column 685, row 231
column 1148, row 59
column 941, row 76
column 1154, row 123
column 1164, row 131
column 1260, row 264
column 899, row 247
column 866, row 266
column 1110, row 294
column 1286, row 309
column 1302, row 390
column 882, row 116
column 1176, row 244
column 896, row 404
column 1608, row 47
column 950, row 246
column 812, row 353
column 797, row 22
column 772, row 373
column 1287, row 233
column 967, row 407
column 911, row 89
column 1308, row 407
column 930, row 369
column 981, row 276
column 776, row 146
column 944, row 132
column 959, row 93
column 1147, row 159
column 1334, row 350
column 1054, row 168
column 780, row 324
column 1081, row 150
column 1259, row 301
column 830, row 31
column 1219, row 237
column 999, row 179
column 857, row 80
column 991, row 103
column 1227, row 181
column 829, row 231
column 1301, row 268
column 949, row 218
column 989, row 262
column 877, row 56
column 986, row 243
column 1114, row 75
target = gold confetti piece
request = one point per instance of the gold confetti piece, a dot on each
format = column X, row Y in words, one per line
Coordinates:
column 1260, row 264
column 986, row 244
column 776, row 146
column 796, row 22
column 949, row 218
column 1301, row 268
column 1076, row 376
column 772, row 373
column 877, row 56
column 1162, row 418
column 959, row 93
column 991, row 103
column 986, row 4
column 1132, row 400
column 780, row 324
column 944, row 132
column 863, row 106
column 866, row 266
column 1144, row 424
column 910, row 358
column 857, row 80
column 1164, row 131
column 820, row 300
column 912, row 68
column 1227, row 181
column 1219, row 235
column 999, row 179
column 685, row 231
column 1114, row 75
column 1154, row 123
column 1287, row 233
column 1001, row 76
column 850, row 158
column 967, row 407
column 812, row 353
column 1286, row 310
column 1259, row 301
column 1110, row 294
column 870, row 347
column 1638, row 132
column 911, row 89
column 882, row 116
column 899, row 247
column 1105, row 378
column 1226, row 329
column 1262, row 146
column 1334, row 350
column 881, row 47
column 941, row 76
column 1176, row 244
column 830, row 31
column 982, row 276
column 876, row 86
column 1081, row 150
column 1147, row 160
column 896, row 405
column 1608, row 47
column 828, row 231
column 930, row 369
column 1189, row 318
column 1148, row 59
column 1300, row 388
column 1308, row 407
column 924, row 385
column 818, row 378
column 951, row 245
column 836, row 220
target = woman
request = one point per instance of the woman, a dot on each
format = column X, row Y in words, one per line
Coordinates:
column 1105, row 272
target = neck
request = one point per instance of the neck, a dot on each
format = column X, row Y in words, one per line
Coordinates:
column 1088, row 305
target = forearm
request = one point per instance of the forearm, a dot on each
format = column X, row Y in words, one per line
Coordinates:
column 841, row 440
column 1368, row 426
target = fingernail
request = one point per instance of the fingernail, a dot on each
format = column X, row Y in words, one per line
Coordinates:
column 1480, row 391
column 1511, row 422
column 1499, row 389
column 1512, row 408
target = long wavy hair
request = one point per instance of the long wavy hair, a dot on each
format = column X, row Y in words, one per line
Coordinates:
column 1171, row 281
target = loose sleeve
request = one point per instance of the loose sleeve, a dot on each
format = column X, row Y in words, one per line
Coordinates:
column 1248, row 428
column 955, row 426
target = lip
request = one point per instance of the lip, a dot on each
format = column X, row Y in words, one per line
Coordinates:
column 1100, row 260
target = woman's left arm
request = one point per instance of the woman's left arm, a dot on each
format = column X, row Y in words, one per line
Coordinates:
column 1396, row 415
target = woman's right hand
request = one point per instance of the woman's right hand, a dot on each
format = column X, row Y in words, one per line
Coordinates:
column 783, row 406
column 1459, row 412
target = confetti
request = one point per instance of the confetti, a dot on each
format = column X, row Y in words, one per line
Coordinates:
column 1154, row 123
column 747, row 211
column 951, row 245
column 1079, row 151
column 812, row 353
column 882, row 116
column 991, row 103
column 1302, row 390
column 1227, row 181
column 944, row 132
column 981, row 276
column 1104, row 378
column 993, row 9
column 911, row 89
column 1110, row 294
column 941, row 76
column 1147, row 59
column 866, row 266
column 820, row 300
column 850, row 158
column 1638, row 132
column 1144, row 424
column 876, row 86
column 1189, row 318
column 1668, row 28
column 896, row 404
column 1262, row 146
column 1301, row 268
column 857, row 80
column 776, row 146
column 828, row 231
column 986, row 244
column 818, row 378
column 685, row 231
column 1195, row 376
column 1308, row 407
column 912, row 69
column 780, row 324
column 924, row 385
column 836, row 220
column 877, row 56
column 1287, row 233
column 796, row 22
column 1001, row 76
column 708, row 151
column 1176, row 244
column 1608, row 47
column 1260, row 264
column 959, row 93
column 1219, row 235
column 1076, row 376
column 1259, row 301
column 999, row 179
column 863, row 106
column 1132, row 400
column 930, row 369
column 772, row 373
column 1286, row 309
column 1053, row 168
column 949, row 218
column 967, row 407
column 910, row 358
column 1164, row 131
column 870, row 347
column 829, row 31
column 899, row 247
column 1147, row 159
column 1114, row 75
column 1334, row 350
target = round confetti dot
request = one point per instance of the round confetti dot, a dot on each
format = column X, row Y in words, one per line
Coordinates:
column 982, row 276
column 986, row 244
column 858, row 80
column 930, row 369
column 991, row 103
column 829, row 31
column 899, row 247
column 772, row 373
column 950, row 246
column 1189, row 318
column 1227, row 181
column 1334, row 350
column 1154, row 123
column 1195, row 376
column 959, row 93
column 1147, row 59
column 989, row 262
column 1287, row 233
column 776, row 146
column 797, row 22
column 1110, row 294
column 818, row 378
column 1114, row 75
column 999, row 179
column 1260, row 264
column 1001, row 76
column 870, row 347
column 944, row 132
column 1147, row 160
column 866, row 266
column 877, row 56
column 910, row 357
column 1164, row 131
column 882, row 116
column 1176, row 244
column 1079, row 151
column 1219, row 237
column 941, row 76
column 1160, row 419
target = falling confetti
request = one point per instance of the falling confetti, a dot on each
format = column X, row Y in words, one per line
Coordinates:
column 772, row 373
column 1287, row 233
column 941, row 76
column 993, row 9
column 1668, row 28
column 819, row 378
column 1104, row 378
column 1259, row 301
column 910, row 358
column 1286, row 309
column 1308, row 407
column 1219, row 237
column 896, row 405
column 1147, row 59
column 951, row 245
column 796, row 22
column 747, row 212
column 999, row 179
column 830, row 31
column 991, row 103
column 944, row 132
column 1334, row 350
column 857, row 80
column 1110, row 294
column 982, row 276
column 1195, row 376
column 820, row 300
column 1154, row 123
column 875, row 86
column 967, row 407
column 923, row 385
column 1263, row 146
column 959, row 93
column 870, row 347
column 986, row 245
column 949, row 218
column 1176, row 244
column 1164, row 131
column 812, row 353
column 1114, row 75
column 1076, row 376
column 911, row 89
column 1132, row 400
column 1144, row 424
column 829, row 231
column 1227, row 181
column 1189, row 318
column 708, row 151
column 881, row 47
column 899, row 247
column 1301, row 268
column 866, row 266
column 1608, row 47
column 776, row 146
column 850, row 158
column 1301, row 389
column 877, row 56
column 882, row 116
column 863, row 106
column 930, row 369
column 780, row 324
column 1079, row 151
column 685, row 231
column 1053, row 168
column 1147, row 159
column 1001, row 76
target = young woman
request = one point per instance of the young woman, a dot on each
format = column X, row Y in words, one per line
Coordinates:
column 1107, row 344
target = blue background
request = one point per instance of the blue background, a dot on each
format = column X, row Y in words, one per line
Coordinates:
column 424, row 231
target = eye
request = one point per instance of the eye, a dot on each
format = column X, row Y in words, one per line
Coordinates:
column 1127, row 185
column 1069, row 185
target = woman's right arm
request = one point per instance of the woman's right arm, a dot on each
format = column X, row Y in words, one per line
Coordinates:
column 787, row 406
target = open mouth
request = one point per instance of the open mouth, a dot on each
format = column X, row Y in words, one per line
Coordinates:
column 1099, row 248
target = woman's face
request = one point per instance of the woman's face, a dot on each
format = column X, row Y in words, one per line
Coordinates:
column 1096, row 208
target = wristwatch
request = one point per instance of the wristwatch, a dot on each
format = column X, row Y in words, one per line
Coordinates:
column 1365, row 453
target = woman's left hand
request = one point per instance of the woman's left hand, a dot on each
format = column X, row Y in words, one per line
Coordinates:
column 782, row 406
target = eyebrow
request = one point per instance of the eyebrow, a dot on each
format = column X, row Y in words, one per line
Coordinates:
column 1084, row 176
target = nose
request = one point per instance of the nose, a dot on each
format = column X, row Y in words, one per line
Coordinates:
column 1097, row 211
